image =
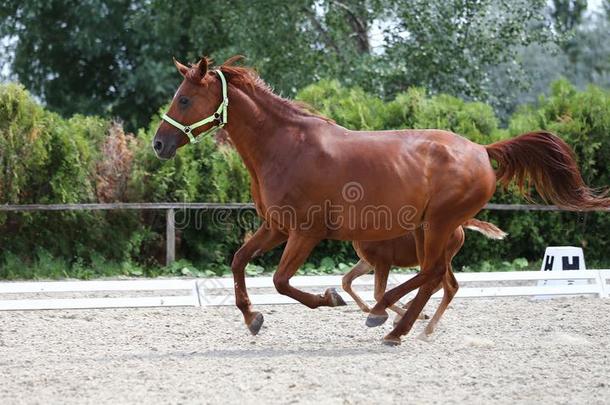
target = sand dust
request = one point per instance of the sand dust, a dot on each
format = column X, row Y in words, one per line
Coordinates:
column 485, row 350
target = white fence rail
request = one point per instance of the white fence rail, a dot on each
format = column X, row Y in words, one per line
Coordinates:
column 218, row 291
column 604, row 277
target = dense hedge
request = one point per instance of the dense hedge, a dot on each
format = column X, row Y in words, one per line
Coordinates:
column 47, row 159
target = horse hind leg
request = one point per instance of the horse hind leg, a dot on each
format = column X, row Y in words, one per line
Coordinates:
column 449, row 283
column 433, row 269
column 450, row 286
column 405, row 307
column 378, row 313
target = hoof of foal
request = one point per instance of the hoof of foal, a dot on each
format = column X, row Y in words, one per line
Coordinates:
column 374, row 320
column 257, row 322
column 390, row 340
column 335, row 299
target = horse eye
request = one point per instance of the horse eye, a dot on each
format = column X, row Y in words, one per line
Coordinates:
column 184, row 100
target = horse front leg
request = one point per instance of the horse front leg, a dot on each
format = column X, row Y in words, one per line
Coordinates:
column 264, row 239
column 296, row 252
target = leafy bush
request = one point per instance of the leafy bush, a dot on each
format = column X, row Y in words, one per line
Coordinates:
column 46, row 159
column 350, row 107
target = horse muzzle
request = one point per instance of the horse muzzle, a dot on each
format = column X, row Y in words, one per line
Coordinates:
column 164, row 147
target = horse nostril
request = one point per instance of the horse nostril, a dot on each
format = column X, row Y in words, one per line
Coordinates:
column 158, row 146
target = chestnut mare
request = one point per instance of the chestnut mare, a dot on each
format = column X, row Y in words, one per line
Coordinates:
column 380, row 256
column 312, row 179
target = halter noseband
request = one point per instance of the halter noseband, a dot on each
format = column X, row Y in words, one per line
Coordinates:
column 219, row 115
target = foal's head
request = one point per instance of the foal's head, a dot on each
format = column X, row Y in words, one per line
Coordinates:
column 198, row 97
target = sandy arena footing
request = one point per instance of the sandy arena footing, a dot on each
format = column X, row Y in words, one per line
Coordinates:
column 485, row 350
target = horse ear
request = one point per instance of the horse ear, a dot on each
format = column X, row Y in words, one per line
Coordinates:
column 181, row 68
column 202, row 67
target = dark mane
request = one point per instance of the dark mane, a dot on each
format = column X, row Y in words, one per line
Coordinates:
column 245, row 76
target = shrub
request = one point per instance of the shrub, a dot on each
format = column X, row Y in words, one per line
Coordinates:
column 46, row 159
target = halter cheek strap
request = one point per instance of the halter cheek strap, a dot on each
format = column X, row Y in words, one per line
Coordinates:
column 220, row 116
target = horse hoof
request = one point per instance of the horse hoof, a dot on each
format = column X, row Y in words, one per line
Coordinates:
column 374, row 320
column 424, row 337
column 255, row 326
column 423, row 316
column 390, row 340
column 335, row 298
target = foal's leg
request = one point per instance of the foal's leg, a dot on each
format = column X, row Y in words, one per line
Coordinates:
column 296, row 251
column 264, row 239
column 450, row 286
column 360, row 269
column 381, row 282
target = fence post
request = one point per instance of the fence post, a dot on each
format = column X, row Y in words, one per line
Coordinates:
column 170, row 238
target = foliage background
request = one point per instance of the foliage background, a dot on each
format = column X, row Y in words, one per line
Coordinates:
column 488, row 50
column 36, row 143
column 491, row 69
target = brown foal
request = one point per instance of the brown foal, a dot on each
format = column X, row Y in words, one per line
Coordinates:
column 313, row 179
column 380, row 256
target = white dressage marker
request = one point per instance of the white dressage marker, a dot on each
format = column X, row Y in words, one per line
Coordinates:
column 562, row 258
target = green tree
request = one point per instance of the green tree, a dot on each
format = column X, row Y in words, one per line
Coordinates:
column 109, row 57
column 568, row 14
column 112, row 57
column 453, row 46
column 66, row 51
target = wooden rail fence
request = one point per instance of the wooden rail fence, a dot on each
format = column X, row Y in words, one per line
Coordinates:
column 170, row 209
